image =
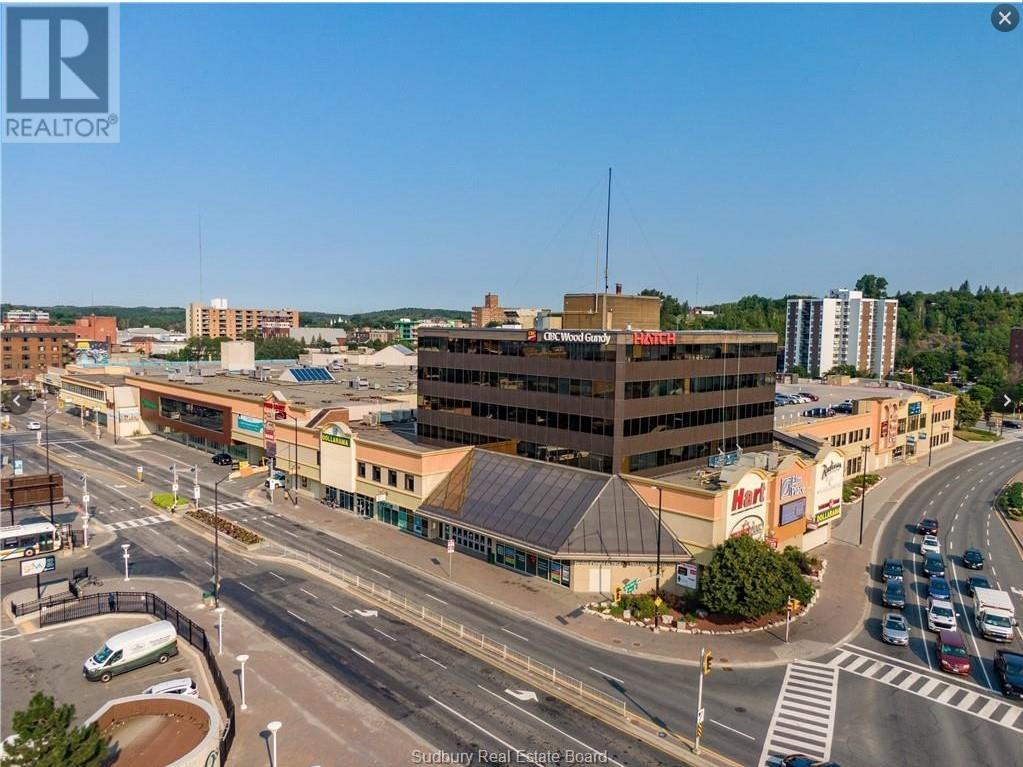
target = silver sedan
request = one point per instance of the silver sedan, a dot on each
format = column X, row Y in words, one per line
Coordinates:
column 894, row 629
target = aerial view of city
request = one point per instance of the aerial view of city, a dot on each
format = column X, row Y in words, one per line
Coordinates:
column 511, row 384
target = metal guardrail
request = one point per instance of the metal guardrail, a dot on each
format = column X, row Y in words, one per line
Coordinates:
column 564, row 684
column 56, row 610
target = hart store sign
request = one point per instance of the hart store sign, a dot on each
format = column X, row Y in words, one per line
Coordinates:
column 747, row 507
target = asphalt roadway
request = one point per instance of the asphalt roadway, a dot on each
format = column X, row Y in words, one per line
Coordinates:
column 436, row 690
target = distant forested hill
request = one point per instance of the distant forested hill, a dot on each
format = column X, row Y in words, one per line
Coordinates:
column 169, row 317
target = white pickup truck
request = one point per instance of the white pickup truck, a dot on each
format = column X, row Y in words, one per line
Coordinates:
column 995, row 614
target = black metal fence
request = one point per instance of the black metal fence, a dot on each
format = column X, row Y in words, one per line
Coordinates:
column 56, row 610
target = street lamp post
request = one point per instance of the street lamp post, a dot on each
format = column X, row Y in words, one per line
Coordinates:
column 294, row 465
column 273, row 727
column 125, row 546
column 85, row 508
column 241, row 659
column 659, row 492
column 216, row 540
column 46, row 420
column 863, row 490
column 220, row 629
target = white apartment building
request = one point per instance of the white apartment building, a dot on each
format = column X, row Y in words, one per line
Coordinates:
column 842, row 329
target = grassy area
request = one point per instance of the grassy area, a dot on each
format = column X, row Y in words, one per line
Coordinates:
column 1011, row 500
column 976, row 435
column 166, row 500
column 852, row 488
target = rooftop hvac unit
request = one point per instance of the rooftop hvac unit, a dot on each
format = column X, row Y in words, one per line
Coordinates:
column 373, row 418
column 385, row 417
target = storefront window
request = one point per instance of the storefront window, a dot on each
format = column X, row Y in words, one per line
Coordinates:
column 193, row 414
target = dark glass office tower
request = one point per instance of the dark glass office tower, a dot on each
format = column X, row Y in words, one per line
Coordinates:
column 613, row 401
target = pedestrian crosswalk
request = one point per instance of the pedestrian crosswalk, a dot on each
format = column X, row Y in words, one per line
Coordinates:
column 962, row 696
column 156, row 519
column 804, row 716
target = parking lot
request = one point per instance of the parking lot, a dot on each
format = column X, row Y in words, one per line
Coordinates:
column 828, row 396
column 51, row 660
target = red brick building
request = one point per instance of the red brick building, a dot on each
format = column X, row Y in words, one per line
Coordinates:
column 93, row 328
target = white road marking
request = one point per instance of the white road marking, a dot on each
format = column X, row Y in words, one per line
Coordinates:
column 520, row 754
column 296, row 616
column 293, row 535
column 602, row 755
column 343, row 612
column 608, row 676
column 519, row 636
column 181, row 547
column 247, row 587
column 250, row 562
column 730, row 729
column 379, row 573
column 308, row 592
column 363, row 655
column 436, row 599
column 335, row 553
column 437, row 662
column 806, row 685
column 384, row 634
column 275, row 575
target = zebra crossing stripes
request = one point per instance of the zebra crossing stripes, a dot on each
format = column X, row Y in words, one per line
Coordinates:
column 955, row 695
column 804, row 716
column 235, row 505
column 140, row 522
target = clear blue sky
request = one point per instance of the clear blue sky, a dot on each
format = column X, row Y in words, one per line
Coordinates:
column 352, row 158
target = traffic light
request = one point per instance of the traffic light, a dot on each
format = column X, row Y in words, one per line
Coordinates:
column 793, row 605
column 708, row 658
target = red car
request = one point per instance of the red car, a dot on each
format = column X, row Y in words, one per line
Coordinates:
column 952, row 654
column 809, row 396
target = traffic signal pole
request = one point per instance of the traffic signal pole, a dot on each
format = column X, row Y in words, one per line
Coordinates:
column 699, row 701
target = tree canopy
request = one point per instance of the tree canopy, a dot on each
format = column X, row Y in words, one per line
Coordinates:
column 748, row 578
column 872, row 286
column 46, row 738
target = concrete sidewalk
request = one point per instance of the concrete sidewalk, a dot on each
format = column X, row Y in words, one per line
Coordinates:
column 323, row 722
column 838, row 612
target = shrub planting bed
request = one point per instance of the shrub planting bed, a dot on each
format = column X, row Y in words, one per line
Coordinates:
column 228, row 528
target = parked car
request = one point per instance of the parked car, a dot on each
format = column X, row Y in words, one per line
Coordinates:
column 934, row 564
column 941, row 616
column 1009, row 667
column 977, row 582
column 927, row 526
column 930, row 545
column 818, row 412
column 183, row 686
column 973, row 559
column 845, row 408
column 952, row 654
column 1012, row 424
column 278, row 479
column 892, row 569
column 801, row 760
column 938, row 588
column 34, row 426
column 894, row 629
column 894, row 595
column 223, row 459
column 809, row 396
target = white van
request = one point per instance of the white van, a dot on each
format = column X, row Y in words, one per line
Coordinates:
column 155, row 643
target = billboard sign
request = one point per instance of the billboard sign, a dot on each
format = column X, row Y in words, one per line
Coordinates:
column 245, row 423
column 687, row 575
column 915, row 408
column 568, row 336
column 91, row 353
column 792, row 512
column 652, row 338
column 38, row 565
column 829, row 475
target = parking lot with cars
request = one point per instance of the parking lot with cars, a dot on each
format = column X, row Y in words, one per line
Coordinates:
column 51, row 660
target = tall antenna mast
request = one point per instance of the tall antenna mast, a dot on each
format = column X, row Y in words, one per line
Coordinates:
column 607, row 251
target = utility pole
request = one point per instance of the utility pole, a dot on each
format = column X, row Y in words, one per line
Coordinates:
column 863, row 491
column 174, row 487
column 659, row 492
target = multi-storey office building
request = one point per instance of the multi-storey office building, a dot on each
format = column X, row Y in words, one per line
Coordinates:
column 28, row 353
column 218, row 321
column 611, row 401
column 842, row 329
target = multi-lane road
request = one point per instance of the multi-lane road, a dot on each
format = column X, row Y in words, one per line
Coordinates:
column 838, row 705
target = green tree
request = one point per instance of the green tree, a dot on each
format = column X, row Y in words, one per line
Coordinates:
column 46, row 738
column 279, row 348
column 799, row 370
column 199, row 349
column 843, row 370
column 673, row 313
column 872, row 286
column 982, row 395
column 748, row 578
column 968, row 411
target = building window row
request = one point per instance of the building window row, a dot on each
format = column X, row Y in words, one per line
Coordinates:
column 549, row 419
column 850, row 437
column 496, row 348
column 572, row 387
column 668, row 387
column 684, row 453
column 376, row 473
column 942, row 415
column 200, row 416
column 660, row 352
column 688, row 419
column 85, row 391
column 941, row 439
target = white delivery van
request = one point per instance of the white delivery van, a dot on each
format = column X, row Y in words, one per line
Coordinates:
column 155, row 643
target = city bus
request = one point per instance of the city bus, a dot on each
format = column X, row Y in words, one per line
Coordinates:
column 28, row 540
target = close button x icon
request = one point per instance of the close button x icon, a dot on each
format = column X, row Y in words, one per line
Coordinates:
column 1005, row 17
